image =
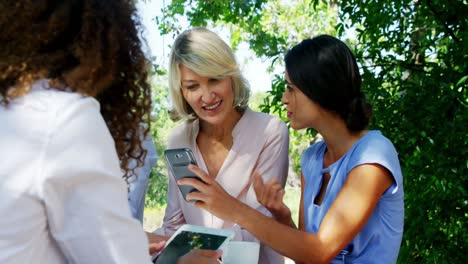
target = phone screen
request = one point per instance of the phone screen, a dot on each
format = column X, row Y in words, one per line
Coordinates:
column 185, row 242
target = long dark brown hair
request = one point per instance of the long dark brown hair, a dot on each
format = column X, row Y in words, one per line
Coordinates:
column 92, row 47
column 325, row 70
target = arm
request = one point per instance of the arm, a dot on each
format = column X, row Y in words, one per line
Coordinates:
column 363, row 188
column 301, row 205
column 83, row 191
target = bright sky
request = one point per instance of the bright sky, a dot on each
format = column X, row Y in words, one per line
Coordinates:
column 253, row 68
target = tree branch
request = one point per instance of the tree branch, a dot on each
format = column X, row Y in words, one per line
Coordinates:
column 437, row 16
column 405, row 66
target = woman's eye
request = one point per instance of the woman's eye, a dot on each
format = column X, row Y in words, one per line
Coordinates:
column 214, row 80
column 289, row 88
column 191, row 86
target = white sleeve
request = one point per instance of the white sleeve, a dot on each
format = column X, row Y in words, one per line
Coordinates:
column 83, row 191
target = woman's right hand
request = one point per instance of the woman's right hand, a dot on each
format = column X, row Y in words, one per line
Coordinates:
column 271, row 196
column 156, row 242
column 200, row 256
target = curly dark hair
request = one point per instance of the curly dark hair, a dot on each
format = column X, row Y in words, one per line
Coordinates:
column 92, row 47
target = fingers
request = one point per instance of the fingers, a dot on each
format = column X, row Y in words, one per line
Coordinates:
column 203, row 175
column 281, row 194
column 272, row 194
column 200, row 256
column 276, row 204
column 156, row 242
column 268, row 193
column 262, row 190
column 258, row 185
column 210, row 253
column 154, row 238
column 156, row 247
column 202, row 185
column 199, row 185
column 196, row 196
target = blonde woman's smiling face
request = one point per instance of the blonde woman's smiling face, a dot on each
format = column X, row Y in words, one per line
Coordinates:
column 210, row 98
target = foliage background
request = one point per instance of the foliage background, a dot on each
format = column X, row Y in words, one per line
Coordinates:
column 413, row 56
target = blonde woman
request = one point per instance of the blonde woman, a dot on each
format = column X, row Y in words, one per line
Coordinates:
column 228, row 139
column 352, row 206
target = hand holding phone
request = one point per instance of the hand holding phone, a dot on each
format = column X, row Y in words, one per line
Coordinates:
column 178, row 160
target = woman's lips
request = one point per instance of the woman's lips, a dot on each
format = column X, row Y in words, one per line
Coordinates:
column 212, row 107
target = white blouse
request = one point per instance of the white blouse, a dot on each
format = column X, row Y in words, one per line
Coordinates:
column 260, row 142
column 62, row 196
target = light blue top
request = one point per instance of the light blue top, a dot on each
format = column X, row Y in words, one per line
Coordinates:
column 138, row 187
column 379, row 240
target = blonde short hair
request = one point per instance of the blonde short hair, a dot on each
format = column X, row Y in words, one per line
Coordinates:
column 205, row 53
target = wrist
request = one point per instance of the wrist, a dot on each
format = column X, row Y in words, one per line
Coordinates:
column 239, row 213
column 287, row 220
column 181, row 260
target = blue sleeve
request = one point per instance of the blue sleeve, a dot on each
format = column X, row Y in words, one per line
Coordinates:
column 378, row 149
column 138, row 187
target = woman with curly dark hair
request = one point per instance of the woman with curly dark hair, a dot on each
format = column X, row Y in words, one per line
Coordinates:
column 73, row 96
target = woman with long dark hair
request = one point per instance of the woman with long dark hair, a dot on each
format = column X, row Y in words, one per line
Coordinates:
column 351, row 207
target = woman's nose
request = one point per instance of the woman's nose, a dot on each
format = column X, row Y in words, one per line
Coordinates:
column 284, row 98
column 208, row 96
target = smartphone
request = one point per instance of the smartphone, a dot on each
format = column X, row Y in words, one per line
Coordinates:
column 178, row 160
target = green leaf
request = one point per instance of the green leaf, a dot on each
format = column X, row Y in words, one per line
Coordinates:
column 462, row 81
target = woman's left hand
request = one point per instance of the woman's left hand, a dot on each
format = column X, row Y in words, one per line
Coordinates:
column 271, row 195
column 211, row 196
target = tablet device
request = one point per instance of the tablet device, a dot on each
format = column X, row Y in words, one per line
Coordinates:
column 189, row 237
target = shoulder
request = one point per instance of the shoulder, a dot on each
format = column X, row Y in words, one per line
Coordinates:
column 311, row 160
column 181, row 133
column 270, row 123
column 375, row 148
column 314, row 151
column 54, row 104
column 43, row 98
column 374, row 144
